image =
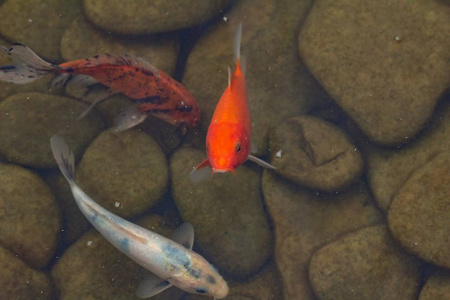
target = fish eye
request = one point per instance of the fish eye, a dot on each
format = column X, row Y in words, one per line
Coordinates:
column 238, row 147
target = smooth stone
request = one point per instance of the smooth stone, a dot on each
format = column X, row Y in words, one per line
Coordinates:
column 126, row 172
column 386, row 72
column 30, row 119
column 366, row 264
column 144, row 17
column 265, row 285
column 315, row 153
column 74, row 223
column 93, row 269
column 82, row 40
column 388, row 169
column 30, row 220
column 8, row 89
column 278, row 85
column 304, row 221
column 38, row 24
column 227, row 213
column 19, row 281
column 437, row 286
column 418, row 215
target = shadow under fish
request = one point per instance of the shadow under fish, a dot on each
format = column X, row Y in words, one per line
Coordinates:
column 171, row 262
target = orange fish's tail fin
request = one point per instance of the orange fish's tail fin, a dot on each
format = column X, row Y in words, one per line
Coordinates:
column 28, row 65
column 240, row 61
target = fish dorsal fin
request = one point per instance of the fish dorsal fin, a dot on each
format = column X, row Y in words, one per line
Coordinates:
column 124, row 59
column 229, row 76
column 260, row 162
column 202, row 172
column 151, row 285
column 184, row 235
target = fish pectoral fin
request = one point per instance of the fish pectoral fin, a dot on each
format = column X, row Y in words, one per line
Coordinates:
column 184, row 235
column 130, row 117
column 151, row 285
column 253, row 146
column 105, row 95
column 202, row 172
column 261, row 162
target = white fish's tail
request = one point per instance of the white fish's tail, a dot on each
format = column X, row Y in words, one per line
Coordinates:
column 28, row 65
column 64, row 157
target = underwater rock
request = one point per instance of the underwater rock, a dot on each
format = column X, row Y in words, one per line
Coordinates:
column 227, row 213
column 19, row 281
column 126, row 172
column 93, row 269
column 38, row 24
column 82, row 40
column 30, row 119
column 144, row 17
column 278, row 85
column 30, row 220
column 265, row 285
column 418, row 215
column 387, row 71
column 314, row 153
column 437, row 286
column 304, row 221
column 365, row 264
column 388, row 169
column 74, row 223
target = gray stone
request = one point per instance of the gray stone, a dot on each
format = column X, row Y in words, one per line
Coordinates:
column 437, row 286
column 30, row 221
column 278, row 84
column 314, row 153
column 304, row 221
column 19, row 281
column 93, row 269
column 74, row 223
column 226, row 212
column 418, row 215
column 126, row 173
column 388, row 169
column 365, row 264
column 386, row 70
column 266, row 285
column 144, row 17
column 38, row 24
column 30, row 119
column 82, row 40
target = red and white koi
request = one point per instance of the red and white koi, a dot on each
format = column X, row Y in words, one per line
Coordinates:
column 154, row 91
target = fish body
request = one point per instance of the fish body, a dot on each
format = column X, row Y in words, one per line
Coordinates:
column 170, row 262
column 229, row 133
column 153, row 90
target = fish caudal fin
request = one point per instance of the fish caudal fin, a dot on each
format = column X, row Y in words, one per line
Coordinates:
column 64, row 157
column 240, row 60
column 28, row 65
column 202, row 172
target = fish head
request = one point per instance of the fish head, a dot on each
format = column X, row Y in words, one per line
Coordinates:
column 227, row 147
column 202, row 278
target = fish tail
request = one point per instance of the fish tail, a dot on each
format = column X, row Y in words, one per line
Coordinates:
column 240, row 62
column 28, row 66
column 64, row 157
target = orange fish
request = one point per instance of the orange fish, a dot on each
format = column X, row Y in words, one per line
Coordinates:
column 228, row 139
column 154, row 91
